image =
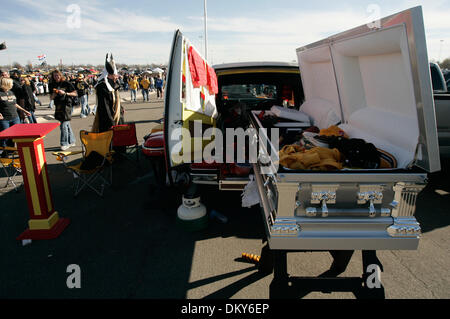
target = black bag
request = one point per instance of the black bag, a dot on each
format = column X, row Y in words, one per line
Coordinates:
column 63, row 113
column 92, row 161
column 357, row 152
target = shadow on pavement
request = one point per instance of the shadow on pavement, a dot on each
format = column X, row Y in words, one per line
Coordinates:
column 228, row 291
column 125, row 246
column 127, row 243
column 299, row 287
column 432, row 203
column 148, row 121
column 149, row 108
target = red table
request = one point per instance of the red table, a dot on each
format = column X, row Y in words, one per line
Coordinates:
column 44, row 221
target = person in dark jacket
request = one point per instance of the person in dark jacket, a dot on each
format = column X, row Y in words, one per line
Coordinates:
column 34, row 86
column 8, row 108
column 159, row 86
column 29, row 102
column 109, row 111
column 62, row 94
column 83, row 90
column 17, row 87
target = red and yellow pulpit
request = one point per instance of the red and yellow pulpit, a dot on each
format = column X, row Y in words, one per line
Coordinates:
column 44, row 221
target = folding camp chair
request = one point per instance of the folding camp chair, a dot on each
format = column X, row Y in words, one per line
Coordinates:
column 97, row 158
column 11, row 165
column 125, row 136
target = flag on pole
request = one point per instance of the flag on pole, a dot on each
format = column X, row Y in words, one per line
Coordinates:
column 3, row 46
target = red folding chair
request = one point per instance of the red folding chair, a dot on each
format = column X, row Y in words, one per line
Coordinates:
column 124, row 135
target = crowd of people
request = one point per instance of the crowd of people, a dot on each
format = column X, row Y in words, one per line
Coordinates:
column 145, row 82
column 19, row 96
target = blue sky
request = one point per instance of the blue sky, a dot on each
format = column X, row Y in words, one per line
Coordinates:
column 141, row 31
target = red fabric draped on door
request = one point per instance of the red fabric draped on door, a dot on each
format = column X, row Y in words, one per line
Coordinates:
column 197, row 68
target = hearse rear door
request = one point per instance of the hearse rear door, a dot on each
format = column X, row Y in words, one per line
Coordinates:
column 185, row 102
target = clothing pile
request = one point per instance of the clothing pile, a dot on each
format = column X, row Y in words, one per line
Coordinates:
column 333, row 130
column 317, row 158
column 332, row 149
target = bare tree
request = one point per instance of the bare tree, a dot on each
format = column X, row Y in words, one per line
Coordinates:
column 16, row 65
column 29, row 66
column 445, row 64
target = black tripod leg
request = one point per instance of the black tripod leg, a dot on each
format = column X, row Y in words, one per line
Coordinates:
column 341, row 259
column 279, row 285
column 266, row 261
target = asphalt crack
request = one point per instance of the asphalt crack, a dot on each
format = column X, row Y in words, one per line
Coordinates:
column 414, row 275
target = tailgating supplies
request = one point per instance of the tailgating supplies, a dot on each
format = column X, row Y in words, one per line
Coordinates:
column 191, row 214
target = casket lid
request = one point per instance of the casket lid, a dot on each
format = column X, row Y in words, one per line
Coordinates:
column 375, row 72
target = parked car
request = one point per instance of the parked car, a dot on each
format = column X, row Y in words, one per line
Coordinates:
column 437, row 78
column 441, row 96
column 446, row 73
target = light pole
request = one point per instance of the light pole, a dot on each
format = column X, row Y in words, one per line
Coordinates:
column 206, row 32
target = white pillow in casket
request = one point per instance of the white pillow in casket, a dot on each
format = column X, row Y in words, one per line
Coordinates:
column 322, row 113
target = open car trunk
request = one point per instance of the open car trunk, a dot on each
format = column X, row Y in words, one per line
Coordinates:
column 189, row 100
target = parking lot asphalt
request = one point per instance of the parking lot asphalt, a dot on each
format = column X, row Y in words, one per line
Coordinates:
column 127, row 244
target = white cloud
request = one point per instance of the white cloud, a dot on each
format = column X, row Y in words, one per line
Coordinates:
column 267, row 38
column 143, row 38
column 100, row 31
